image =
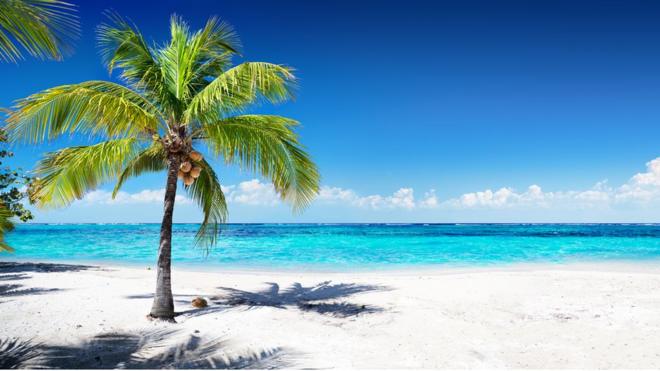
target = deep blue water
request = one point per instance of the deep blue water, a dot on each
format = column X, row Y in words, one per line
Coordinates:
column 341, row 247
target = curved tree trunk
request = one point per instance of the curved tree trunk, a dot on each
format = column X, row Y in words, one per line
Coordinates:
column 163, row 306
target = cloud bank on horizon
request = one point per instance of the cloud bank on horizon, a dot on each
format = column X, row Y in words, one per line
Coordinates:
column 640, row 192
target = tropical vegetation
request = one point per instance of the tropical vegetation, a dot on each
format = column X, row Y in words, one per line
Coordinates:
column 12, row 183
column 176, row 101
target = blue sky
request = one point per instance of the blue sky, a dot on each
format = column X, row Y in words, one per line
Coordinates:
column 428, row 111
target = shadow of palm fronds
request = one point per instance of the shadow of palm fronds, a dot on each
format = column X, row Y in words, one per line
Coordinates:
column 339, row 309
column 13, row 290
column 151, row 349
column 14, row 277
column 312, row 298
column 17, row 267
column 109, row 350
column 16, row 353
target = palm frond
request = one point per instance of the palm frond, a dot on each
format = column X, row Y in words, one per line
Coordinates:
column 150, row 160
column 239, row 87
column 175, row 59
column 94, row 107
column 123, row 47
column 44, row 28
column 217, row 38
column 207, row 192
column 215, row 44
column 191, row 58
column 66, row 175
column 267, row 145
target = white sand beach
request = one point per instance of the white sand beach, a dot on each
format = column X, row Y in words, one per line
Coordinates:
column 563, row 316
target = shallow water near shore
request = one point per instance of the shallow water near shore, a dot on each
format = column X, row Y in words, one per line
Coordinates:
column 342, row 246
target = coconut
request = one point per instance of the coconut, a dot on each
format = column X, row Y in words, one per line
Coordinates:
column 196, row 156
column 185, row 166
column 199, row 302
column 181, row 174
column 195, row 171
column 188, row 180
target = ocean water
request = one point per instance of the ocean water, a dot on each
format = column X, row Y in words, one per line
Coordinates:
column 341, row 247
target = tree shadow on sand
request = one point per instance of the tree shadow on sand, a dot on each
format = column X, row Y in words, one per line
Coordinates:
column 14, row 277
column 17, row 271
column 18, row 267
column 13, row 290
column 149, row 349
column 323, row 298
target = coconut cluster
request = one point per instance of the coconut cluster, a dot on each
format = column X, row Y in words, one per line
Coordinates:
column 188, row 171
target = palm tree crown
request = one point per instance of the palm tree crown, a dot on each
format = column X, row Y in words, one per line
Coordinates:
column 177, row 100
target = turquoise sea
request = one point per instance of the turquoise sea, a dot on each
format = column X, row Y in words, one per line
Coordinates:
column 342, row 246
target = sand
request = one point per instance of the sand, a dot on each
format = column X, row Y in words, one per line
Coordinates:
column 540, row 316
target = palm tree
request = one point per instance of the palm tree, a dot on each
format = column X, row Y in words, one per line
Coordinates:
column 43, row 28
column 178, row 100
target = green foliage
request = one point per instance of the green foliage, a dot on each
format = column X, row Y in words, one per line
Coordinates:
column 240, row 87
column 178, row 96
column 149, row 160
column 207, row 192
column 123, row 47
column 6, row 225
column 92, row 107
column 11, row 183
column 67, row 174
column 43, row 28
column 11, row 193
column 190, row 58
column 269, row 146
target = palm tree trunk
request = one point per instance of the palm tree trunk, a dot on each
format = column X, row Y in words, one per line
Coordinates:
column 163, row 306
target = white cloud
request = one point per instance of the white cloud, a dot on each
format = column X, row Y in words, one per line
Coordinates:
column 651, row 177
column 145, row 196
column 430, row 200
column 641, row 189
column 332, row 194
column 252, row 192
column 404, row 198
